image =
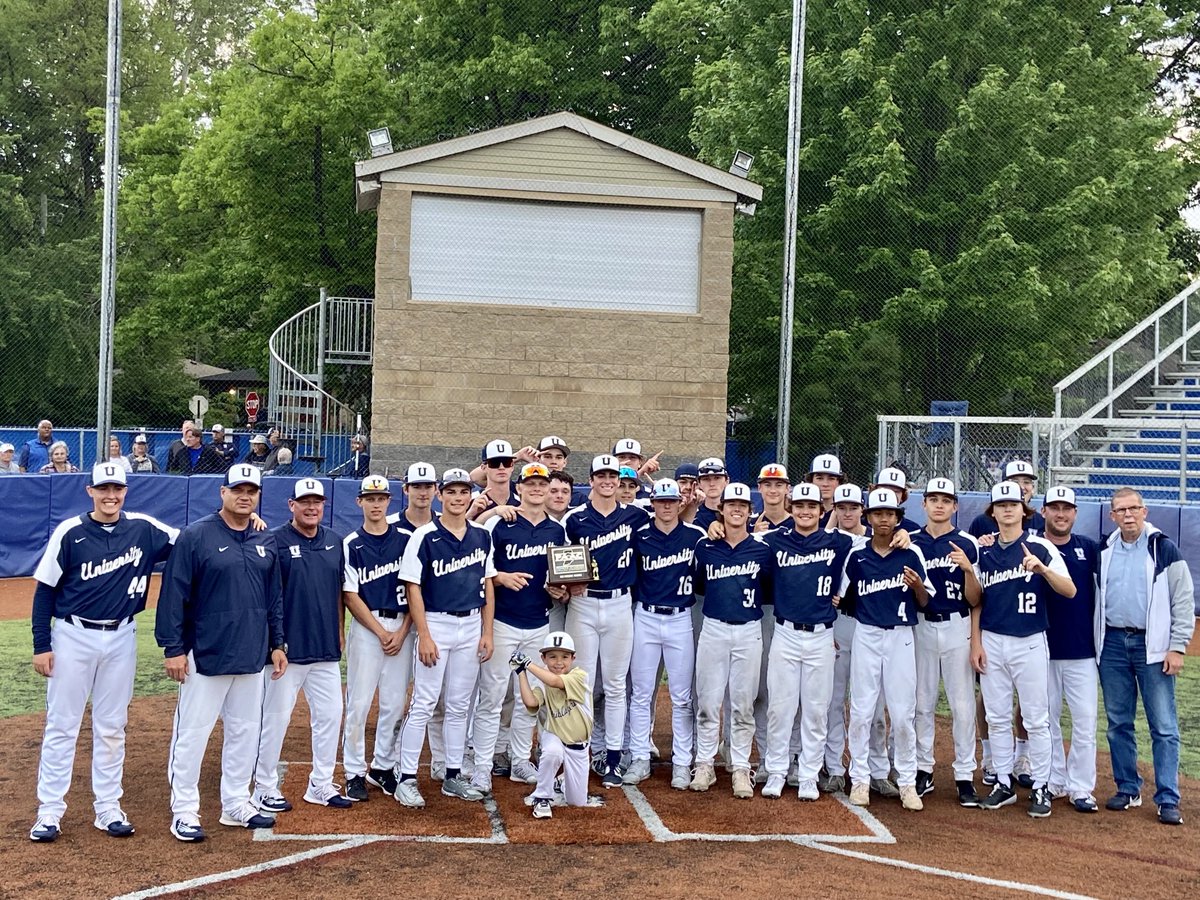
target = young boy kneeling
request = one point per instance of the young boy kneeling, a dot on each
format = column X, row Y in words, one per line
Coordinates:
column 563, row 705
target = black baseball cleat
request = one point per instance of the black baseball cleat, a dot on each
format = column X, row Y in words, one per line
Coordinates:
column 611, row 778
column 924, row 783
column 966, row 794
column 1039, row 802
column 356, row 789
column 1001, row 795
column 384, row 779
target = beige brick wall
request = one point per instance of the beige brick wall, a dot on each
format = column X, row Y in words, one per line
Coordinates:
column 458, row 375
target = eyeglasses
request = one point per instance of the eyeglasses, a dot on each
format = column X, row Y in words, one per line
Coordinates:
column 1125, row 510
column 499, row 463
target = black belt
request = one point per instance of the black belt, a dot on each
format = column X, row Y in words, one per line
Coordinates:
column 942, row 617
column 389, row 613
column 661, row 610
column 1126, row 629
column 459, row 614
column 606, row 595
column 730, row 621
column 94, row 625
column 803, row 626
column 575, row 746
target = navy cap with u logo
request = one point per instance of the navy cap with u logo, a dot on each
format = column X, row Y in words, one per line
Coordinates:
column 243, row 473
column 308, row 487
column 107, row 473
column 1007, row 492
column 1060, row 495
column 941, row 486
column 420, row 473
column 558, row 640
column 736, row 491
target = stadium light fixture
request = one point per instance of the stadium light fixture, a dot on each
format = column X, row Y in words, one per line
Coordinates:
column 742, row 161
column 380, row 140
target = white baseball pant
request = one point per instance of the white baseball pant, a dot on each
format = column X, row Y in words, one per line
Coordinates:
column 496, row 679
column 322, row 686
column 452, row 677
column 573, row 761
column 800, row 681
column 100, row 664
column 944, row 655
column 558, row 615
column 883, row 656
column 603, row 633
column 1023, row 664
column 1075, row 681
column 761, row 701
column 727, row 657
column 667, row 638
column 237, row 700
column 835, row 733
column 369, row 669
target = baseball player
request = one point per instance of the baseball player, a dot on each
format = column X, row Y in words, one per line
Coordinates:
column 564, row 711
column 984, row 527
column 91, row 582
column 379, row 647
column 628, row 486
column 521, row 623
column 710, row 486
column 220, row 617
column 826, row 473
column 896, row 481
column 886, row 585
column 662, row 631
column 1072, row 644
column 732, row 574
column 805, row 563
column 552, row 452
column 558, row 501
column 773, row 486
column 498, row 459
column 629, row 453
column 944, row 638
column 311, row 568
column 600, row 616
column 1019, row 573
column 448, row 571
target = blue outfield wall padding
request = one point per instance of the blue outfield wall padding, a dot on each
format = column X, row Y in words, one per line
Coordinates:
column 164, row 498
column 68, row 496
column 204, row 494
column 25, row 500
column 344, row 510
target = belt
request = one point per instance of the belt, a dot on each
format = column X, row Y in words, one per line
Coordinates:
column 1126, row 629
column 661, row 610
column 942, row 617
column 389, row 613
column 803, row 626
column 606, row 595
column 98, row 624
column 458, row 614
column 731, row 621
column 576, row 746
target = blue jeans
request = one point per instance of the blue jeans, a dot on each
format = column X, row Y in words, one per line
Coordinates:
column 1124, row 673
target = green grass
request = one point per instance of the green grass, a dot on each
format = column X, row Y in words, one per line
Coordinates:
column 23, row 691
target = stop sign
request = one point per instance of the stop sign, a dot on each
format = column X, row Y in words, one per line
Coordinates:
column 251, row 405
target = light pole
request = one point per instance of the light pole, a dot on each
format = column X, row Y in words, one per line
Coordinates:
column 108, row 256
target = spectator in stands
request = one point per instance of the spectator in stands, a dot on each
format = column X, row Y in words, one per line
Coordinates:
column 7, row 465
column 36, row 453
column 115, row 456
column 277, row 443
column 283, row 463
column 224, row 447
column 60, row 460
column 196, row 457
column 178, row 444
column 140, row 460
column 359, row 463
column 258, row 452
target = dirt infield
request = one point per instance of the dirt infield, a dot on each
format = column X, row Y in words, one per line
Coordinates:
column 16, row 596
column 650, row 841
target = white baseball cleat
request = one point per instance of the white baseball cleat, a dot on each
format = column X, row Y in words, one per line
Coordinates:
column 408, row 794
column 807, row 790
column 681, row 777
column 773, row 789
column 639, row 771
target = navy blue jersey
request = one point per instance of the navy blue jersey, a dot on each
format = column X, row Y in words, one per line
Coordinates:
column 876, row 585
column 1070, row 634
column 985, row 524
column 96, row 571
column 785, row 522
column 373, row 568
column 221, row 599
column 520, row 546
column 1014, row 600
column 449, row 571
column 609, row 539
column 704, row 517
column 310, row 572
column 806, row 571
column 733, row 580
column 664, row 564
column 947, row 578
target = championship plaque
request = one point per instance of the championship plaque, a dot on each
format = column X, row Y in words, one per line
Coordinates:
column 571, row 564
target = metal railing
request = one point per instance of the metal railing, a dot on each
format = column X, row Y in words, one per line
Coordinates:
column 335, row 330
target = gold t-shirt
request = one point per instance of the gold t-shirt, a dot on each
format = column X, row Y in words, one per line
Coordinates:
column 566, row 712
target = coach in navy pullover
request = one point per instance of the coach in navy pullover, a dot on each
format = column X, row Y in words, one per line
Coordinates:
column 310, row 571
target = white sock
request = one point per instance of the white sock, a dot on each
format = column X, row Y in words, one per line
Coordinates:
column 987, row 750
column 1022, row 748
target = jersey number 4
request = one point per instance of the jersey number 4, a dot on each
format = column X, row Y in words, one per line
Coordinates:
column 1027, row 603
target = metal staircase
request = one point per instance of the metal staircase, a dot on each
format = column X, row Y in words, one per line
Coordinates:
column 308, row 353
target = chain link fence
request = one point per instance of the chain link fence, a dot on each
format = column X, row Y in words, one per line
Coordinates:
column 987, row 194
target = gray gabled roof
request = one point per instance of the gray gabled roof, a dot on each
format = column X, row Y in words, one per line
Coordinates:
column 367, row 172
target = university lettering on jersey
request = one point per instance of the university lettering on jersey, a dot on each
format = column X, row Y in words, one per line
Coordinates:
column 652, row 564
column 1017, row 573
column 750, row 568
column 879, row 584
column 476, row 557
column 90, row 570
column 366, row 576
column 512, row 551
column 620, row 533
column 784, row 560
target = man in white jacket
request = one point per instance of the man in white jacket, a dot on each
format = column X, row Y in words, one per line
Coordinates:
column 1144, row 620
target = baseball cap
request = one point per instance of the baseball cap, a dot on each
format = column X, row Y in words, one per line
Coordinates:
column 941, row 486
column 1007, row 492
column 534, row 470
column 259, row 439
column 847, row 493
column 217, row 428
column 374, row 484
column 627, row 445
column 714, row 465
column 1019, row 467
column 553, row 441
column 140, row 439
column 420, row 473
column 455, row 476
column 107, row 473
column 558, row 640
column 243, row 473
column 686, row 470
column 497, row 449
column 736, row 491
column 893, row 478
column 825, row 464
column 806, row 491
column 666, row 489
column 882, row 498
column 1060, row 495
column 627, row 473
column 308, row 487
column 6, row 447
column 605, row 463
column 773, row 472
